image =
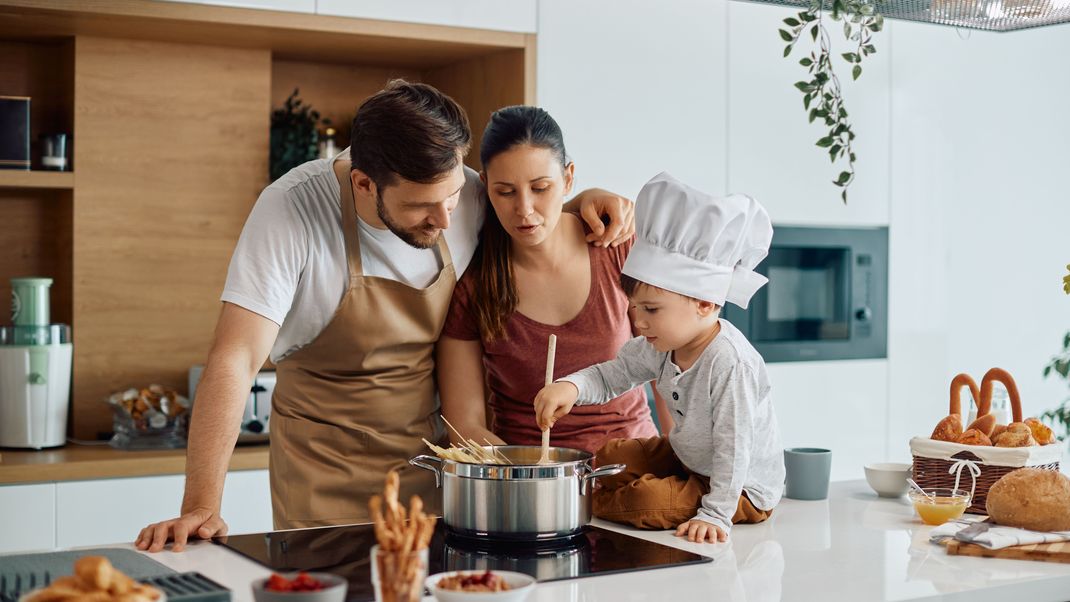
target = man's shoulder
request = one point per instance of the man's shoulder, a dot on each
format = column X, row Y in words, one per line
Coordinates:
column 311, row 180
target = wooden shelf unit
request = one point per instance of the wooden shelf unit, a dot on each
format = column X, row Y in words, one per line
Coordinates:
column 169, row 104
column 14, row 178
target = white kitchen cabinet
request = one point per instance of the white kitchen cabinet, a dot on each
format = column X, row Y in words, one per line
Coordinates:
column 297, row 6
column 247, row 502
column 514, row 15
column 638, row 87
column 114, row 510
column 107, row 511
column 27, row 517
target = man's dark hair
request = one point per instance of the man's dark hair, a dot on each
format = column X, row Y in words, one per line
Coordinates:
column 411, row 131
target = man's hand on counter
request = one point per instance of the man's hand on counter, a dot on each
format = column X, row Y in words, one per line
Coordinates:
column 199, row 523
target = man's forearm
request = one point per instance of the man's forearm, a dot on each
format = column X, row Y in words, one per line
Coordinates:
column 217, row 412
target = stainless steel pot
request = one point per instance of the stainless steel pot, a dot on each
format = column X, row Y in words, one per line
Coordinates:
column 524, row 500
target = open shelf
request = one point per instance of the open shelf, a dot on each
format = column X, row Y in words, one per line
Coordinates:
column 169, row 137
column 59, row 180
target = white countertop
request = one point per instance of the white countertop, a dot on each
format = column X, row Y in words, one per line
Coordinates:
column 853, row 546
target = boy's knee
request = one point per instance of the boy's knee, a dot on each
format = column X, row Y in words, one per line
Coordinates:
column 616, row 451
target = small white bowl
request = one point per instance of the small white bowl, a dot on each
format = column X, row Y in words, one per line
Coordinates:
column 335, row 590
column 888, row 479
column 521, row 587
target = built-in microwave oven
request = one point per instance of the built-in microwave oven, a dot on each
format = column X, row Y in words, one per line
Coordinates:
column 827, row 296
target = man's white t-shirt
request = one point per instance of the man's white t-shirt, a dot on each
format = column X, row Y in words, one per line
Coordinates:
column 290, row 262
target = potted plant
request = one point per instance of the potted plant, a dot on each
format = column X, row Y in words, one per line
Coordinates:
column 294, row 135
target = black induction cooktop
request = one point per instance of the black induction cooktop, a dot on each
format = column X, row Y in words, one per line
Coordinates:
column 345, row 551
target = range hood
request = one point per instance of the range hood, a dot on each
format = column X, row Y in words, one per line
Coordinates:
column 989, row 15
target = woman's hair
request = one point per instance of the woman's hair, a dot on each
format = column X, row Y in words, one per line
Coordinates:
column 495, row 295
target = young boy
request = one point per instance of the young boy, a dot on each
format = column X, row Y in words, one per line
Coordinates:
column 722, row 463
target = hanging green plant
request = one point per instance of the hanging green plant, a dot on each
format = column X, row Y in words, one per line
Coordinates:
column 822, row 96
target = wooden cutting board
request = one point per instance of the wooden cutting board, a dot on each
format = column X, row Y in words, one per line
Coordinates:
column 1045, row 552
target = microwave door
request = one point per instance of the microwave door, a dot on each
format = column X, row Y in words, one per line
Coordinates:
column 807, row 297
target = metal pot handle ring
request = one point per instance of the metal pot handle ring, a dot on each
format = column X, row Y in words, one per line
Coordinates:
column 424, row 461
column 602, row 471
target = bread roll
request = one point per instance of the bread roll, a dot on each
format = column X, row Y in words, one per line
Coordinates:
column 997, row 431
column 1018, row 434
column 1031, row 498
column 984, row 424
column 1041, row 432
column 973, row 437
column 948, row 429
column 94, row 571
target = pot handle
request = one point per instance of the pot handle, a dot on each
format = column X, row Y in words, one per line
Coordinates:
column 602, row 471
column 424, row 461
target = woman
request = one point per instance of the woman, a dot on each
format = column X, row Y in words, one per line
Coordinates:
column 534, row 275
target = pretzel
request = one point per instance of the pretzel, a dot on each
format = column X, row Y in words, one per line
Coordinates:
column 401, row 534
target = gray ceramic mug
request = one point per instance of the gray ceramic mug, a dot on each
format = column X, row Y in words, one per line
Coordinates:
column 807, row 473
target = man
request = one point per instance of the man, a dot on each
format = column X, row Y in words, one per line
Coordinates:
column 343, row 275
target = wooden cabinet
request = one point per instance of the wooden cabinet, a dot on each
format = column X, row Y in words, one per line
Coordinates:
column 169, row 104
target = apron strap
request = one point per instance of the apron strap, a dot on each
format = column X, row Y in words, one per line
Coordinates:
column 444, row 251
column 349, row 228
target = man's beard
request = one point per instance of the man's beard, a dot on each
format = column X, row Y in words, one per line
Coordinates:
column 420, row 237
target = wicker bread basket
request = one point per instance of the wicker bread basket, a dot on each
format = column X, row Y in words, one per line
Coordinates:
column 950, row 465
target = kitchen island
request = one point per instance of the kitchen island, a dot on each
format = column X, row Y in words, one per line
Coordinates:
column 853, row 546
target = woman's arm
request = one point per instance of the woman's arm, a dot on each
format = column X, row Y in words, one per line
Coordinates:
column 459, row 369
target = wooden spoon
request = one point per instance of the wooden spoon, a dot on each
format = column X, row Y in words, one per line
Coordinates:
column 551, row 352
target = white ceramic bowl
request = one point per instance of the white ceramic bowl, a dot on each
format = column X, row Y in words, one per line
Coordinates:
column 521, row 587
column 888, row 479
column 335, row 590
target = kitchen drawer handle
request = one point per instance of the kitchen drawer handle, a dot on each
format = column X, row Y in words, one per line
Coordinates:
column 424, row 461
column 602, row 471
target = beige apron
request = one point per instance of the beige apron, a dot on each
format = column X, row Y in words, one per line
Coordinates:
column 356, row 401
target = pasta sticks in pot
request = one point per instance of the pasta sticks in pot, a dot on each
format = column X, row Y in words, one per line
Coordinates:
column 469, row 451
column 403, row 537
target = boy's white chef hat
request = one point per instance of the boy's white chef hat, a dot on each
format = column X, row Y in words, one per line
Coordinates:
column 698, row 245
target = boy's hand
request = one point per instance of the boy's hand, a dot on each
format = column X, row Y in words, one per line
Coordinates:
column 553, row 402
column 700, row 531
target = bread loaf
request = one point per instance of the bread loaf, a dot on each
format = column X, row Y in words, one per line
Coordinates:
column 1031, row 498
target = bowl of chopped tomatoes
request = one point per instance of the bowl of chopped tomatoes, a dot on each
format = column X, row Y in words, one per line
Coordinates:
column 480, row 586
column 300, row 587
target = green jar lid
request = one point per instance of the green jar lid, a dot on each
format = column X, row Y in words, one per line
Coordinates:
column 32, row 281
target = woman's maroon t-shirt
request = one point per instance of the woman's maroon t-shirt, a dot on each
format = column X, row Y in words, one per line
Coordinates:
column 516, row 364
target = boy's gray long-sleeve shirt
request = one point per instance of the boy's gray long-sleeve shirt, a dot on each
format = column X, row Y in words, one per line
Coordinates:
column 725, row 425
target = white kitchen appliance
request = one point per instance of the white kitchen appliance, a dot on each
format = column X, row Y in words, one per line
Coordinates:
column 257, row 416
column 35, row 385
